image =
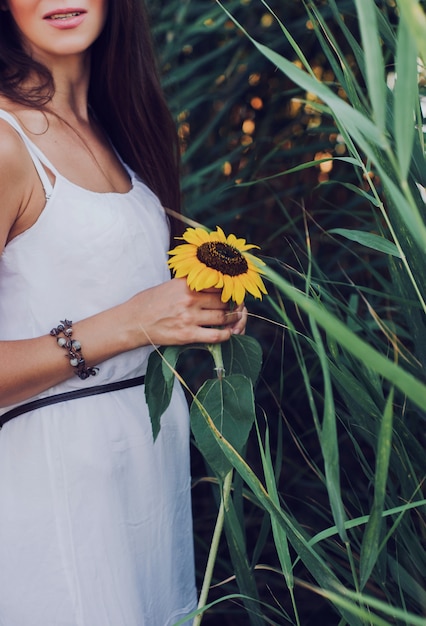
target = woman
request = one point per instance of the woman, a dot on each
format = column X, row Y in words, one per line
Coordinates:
column 95, row 524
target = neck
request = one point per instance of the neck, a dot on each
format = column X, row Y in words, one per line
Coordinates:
column 71, row 76
column 71, row 80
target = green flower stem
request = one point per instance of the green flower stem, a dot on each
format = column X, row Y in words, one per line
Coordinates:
column 208, row 574
column 215, row 350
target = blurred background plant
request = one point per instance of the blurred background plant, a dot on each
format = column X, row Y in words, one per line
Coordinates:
column 302, row 130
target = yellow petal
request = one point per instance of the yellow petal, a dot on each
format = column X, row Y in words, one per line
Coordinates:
column 227, row 288
column 185, row 248
column 219, row 283
column 239, row 291
column 251, row 286
column 206, row 279
column 254, row 279
column 254, row 261
column 218, row 235
column 184, row 265
column 176, row 260
column 179, row 273
column 196, row 236
column 193, row 274
column 247, row 246
column 236, row 243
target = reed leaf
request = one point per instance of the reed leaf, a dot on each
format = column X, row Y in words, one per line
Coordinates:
column 359, row 521
column 370, row 137
column 408, row 384
column 371, row 540
column 312, row 560
column 413, row 14
column 352, row 601
column 280, row 536
column 243, row 573
column 374, row 64
column 406, row 98
column 369, row 240
column 328, row 438
column 346, row 317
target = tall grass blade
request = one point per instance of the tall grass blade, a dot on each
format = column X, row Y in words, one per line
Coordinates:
column 280, row 536
column 406, row 98
column 371, row 540
column 245, row 578
column 370, row 137
column 369, row 240
column 342, row 70
column 348, row 308
column 414, row 16
column 318, row 568
column 359, row 521
column 374, row 64
column 406, row 382
column 348, row 599
column 328, row 439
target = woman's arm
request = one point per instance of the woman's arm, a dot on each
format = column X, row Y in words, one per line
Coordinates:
column 167, row 314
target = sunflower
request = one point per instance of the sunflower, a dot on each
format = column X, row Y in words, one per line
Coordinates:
column 211, row 259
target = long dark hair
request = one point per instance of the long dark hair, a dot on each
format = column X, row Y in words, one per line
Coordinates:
column 124, row 93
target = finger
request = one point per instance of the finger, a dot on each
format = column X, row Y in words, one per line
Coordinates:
column 212, row 300
column 217, row 317
column 211, row 334
column 239, row 327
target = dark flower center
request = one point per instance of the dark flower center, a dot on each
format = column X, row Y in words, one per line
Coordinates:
column 222, row 257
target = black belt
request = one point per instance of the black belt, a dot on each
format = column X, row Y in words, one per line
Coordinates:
column 69, row 395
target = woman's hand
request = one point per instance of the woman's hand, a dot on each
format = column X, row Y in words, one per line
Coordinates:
column 173, row 314
column 169, row 314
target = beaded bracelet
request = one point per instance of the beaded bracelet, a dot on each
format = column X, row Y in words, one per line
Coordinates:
column 74, row 349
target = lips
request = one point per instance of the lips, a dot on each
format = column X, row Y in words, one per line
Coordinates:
column 63, row 14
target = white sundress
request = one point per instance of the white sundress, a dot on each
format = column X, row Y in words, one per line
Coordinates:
column 95, row 519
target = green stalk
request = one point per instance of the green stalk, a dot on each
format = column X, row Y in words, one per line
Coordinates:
column 208, row 574
column 216, row 352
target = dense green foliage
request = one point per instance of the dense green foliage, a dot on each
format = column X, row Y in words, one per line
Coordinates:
column 297, row 136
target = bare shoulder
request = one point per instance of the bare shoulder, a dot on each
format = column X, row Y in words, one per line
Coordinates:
column 15, row 174
column 14, row 157
column 13, row 152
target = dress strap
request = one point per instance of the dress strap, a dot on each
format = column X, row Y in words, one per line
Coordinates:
column 40, row 161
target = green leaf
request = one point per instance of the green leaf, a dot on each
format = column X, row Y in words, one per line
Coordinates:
column 230, row 405
column 360, row 605
column 316, row 565
column 375, row 201
column 406, row 97
column 328, row 438
column 169, row 361
column 413, row 14
column 242, row 355
column 374, row 65
column 157, row 392
column 238, row 552
column 415, row 389
column 369, row 136
column 371, row 540
column 159, row 381
column 375, row 242
column 358, row 521
column 279, row 534
column 360, row 125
